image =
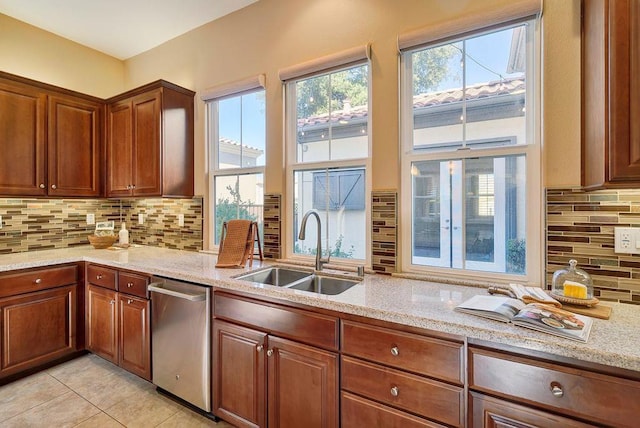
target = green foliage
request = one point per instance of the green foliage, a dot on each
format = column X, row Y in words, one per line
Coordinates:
column 516, row 256
column 314, row 94
column 431, row 66
column 229, row 209
column 335, row 251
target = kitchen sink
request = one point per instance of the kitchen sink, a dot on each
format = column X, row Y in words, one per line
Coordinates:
column 277, row 276
column 324, row 284
column 299, row 280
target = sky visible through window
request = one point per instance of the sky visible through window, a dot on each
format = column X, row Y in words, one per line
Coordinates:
column 491, row 52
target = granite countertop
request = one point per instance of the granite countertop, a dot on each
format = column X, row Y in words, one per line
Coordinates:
column 412, row 302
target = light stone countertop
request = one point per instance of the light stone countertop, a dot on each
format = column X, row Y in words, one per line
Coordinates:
column 412, row 302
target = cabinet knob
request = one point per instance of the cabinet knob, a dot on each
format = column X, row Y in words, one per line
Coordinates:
column 42, row 186
column 269, row 352
column 129, row 284
column 133, row 186
column 556, row 389
column 53, row 186
column 112, row 302
column 259, row 348
column 394, row 391
column 129, row 301
column 128, row 186
column 38, row 280
column 395, row 351
column 99, row 276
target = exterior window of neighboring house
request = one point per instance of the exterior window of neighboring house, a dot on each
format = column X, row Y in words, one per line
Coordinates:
column 237, row 158
column 328, row 160
column 470, row 164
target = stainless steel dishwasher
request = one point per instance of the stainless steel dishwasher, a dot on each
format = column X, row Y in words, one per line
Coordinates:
column 180, row 340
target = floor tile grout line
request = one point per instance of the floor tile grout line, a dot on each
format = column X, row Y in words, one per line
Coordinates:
column 38, row 405
column 43, row 402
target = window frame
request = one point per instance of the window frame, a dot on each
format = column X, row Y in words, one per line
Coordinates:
column 531, row 150
column 292, row 165
column 213, row 141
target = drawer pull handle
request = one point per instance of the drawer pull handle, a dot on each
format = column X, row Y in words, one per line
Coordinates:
column 99, row 276
column 395, row 391
column 395, row 351
column 269, row 352
column 129, row 284
column 259, row 348
column 38, row 280
column 556, row 389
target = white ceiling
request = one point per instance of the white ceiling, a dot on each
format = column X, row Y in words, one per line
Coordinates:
column 120, row 28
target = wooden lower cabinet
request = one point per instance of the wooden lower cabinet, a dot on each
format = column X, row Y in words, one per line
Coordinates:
column 490, row 412
column 357, row 412
column 118, row 324
column 102, row 323
column 303, row 385
column 134, row 337
column 37, row 327
column 239, row 382
column 261, row 380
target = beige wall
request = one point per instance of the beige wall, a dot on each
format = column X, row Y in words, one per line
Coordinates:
column 40, row 55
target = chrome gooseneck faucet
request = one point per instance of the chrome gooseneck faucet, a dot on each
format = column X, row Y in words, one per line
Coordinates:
column 303, row 227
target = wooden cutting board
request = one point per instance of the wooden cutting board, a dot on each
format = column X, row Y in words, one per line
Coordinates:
column 597, row 311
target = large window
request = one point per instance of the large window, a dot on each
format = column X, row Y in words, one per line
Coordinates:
column 237, row 146
column 328, row 158
column 470, row 175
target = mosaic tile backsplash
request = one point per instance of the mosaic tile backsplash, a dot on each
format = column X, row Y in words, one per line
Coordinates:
column 384, row 231
column 38, row 224
column 580, row 226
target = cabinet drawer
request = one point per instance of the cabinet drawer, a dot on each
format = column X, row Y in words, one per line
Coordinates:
column 485, row 411
column 591, row 396
column 435, row 400
column 131, row 283
column 26, row 281
column 303, row 326
column 429, row 356
column 102, row 276
column 358, row 412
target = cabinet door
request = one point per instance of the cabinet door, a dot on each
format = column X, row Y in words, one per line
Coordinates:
column 611, row 93
column 135, row 341
column 22, row 139
column 37, row 328
column 74, row 147
column 239, row 389
column 489, row 412
column 303, row 385
column 119, row 149
column 102, row 323
column 147, row 168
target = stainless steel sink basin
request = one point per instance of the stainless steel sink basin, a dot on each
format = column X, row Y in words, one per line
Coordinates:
column 324, row 284
column 275, row 276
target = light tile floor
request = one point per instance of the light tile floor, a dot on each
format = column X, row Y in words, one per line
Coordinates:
column 91, row 392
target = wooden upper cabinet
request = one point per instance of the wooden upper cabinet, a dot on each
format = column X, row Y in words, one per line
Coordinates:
column 74, row 146
column 51, row 140
column 119, row 149
column 150, row 142
column 147, row 156
column 610, row 93
column 22, row 139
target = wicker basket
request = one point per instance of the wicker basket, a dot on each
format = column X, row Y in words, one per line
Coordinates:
column 100, row 242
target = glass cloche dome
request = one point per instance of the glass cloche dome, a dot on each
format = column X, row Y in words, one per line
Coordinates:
column 572, row 282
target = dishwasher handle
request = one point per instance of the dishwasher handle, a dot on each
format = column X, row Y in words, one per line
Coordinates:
column 157, row 287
